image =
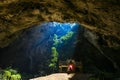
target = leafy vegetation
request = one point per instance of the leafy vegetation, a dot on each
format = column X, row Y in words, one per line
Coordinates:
column 54, row 60
column 10, row 74
column 56, row 40
column 67, row 36
column 63, row 38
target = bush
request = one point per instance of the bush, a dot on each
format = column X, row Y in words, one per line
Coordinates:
column 10, row 74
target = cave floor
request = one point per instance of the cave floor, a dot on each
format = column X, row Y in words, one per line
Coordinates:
column 64, row 76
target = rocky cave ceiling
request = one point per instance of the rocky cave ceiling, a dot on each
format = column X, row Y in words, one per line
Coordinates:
column 99, row 16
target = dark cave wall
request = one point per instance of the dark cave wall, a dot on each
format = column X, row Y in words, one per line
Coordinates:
column 89, row 52
column 31, row 51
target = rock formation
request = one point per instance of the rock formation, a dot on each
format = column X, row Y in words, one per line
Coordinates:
column 99, row 41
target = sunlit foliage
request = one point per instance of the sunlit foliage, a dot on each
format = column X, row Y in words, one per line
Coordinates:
column 54, row 60
column 10, row 74
column 63, row 38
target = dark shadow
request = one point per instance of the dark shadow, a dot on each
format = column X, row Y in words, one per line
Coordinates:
column 80, row 76
column 94, row 65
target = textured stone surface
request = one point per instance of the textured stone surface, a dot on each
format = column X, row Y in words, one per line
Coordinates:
column 98, row 15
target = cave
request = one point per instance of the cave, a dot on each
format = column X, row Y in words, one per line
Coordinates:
column 31, row 51
column 36, row 35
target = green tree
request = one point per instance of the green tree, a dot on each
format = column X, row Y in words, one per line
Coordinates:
column 54, row 59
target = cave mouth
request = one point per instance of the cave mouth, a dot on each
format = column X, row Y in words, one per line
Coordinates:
column 32, row 52
column 39, row 48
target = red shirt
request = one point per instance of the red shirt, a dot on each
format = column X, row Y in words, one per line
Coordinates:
column 71, row 67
